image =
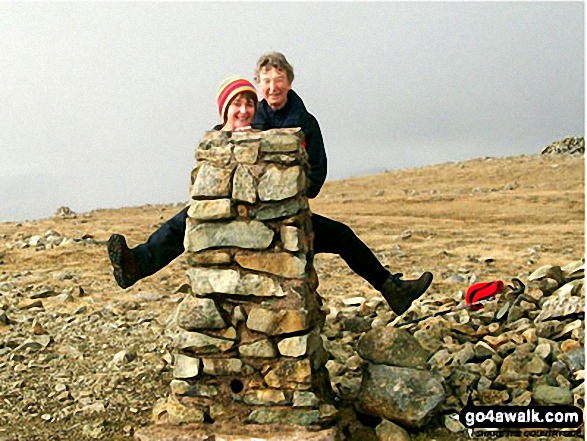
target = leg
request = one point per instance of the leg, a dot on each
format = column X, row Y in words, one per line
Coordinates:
column 335, row 237
column 162, row 247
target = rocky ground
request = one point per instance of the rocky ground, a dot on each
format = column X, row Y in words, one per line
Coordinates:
column 82, row 359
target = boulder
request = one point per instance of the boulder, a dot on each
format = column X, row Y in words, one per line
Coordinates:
column 393, row 347
column 406, row 396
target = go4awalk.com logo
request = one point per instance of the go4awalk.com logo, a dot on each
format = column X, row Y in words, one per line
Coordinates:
column 521, row 420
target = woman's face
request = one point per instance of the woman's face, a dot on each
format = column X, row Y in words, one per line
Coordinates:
column 240, row 113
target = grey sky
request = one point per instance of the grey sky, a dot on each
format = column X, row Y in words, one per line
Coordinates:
column 102, row 104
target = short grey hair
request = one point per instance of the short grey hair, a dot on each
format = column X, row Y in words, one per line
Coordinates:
column 274, row 60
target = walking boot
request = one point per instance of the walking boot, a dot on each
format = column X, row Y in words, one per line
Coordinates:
column 400, row 294
column 124, row 262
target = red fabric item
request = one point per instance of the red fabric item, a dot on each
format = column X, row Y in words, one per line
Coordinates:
column 482, row 291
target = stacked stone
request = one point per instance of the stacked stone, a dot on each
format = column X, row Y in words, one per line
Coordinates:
column 570, row 145
column 247, row 338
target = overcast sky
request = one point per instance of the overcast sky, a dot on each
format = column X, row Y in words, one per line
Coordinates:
column 102, row 104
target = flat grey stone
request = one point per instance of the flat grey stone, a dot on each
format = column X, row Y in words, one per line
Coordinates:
column 211, row 181
column 186, row 367
column 241, row 234
column 258, row 349
column 211, row 209
column 229, row 281
column 243, row 185
column 201, row 343
column 276, row 210
column 277, row 184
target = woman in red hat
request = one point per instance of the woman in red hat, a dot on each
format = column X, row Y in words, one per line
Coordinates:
column 237, row 102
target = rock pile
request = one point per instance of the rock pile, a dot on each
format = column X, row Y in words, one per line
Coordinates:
column 65, row 213
column 247, row 338
column 569, row 145
column 533, row 354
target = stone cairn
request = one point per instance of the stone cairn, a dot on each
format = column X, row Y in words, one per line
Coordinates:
column 248, row 349
column 569, row 145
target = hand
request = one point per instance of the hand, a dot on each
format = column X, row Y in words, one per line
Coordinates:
column 243, row 129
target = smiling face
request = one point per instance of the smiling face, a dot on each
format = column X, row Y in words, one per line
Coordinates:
column 240, row 112
column 274, row 86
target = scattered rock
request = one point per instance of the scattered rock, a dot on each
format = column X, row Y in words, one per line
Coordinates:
column 35, row 343
column 388, row 431
column 452, row 423
column 356, row 324
column 546, row 395
column 123, row 357
column 65, row 212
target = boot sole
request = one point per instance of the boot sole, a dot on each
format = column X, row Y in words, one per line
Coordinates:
column 116, row 248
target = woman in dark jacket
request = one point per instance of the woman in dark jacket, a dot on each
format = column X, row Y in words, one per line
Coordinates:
column 281, row 107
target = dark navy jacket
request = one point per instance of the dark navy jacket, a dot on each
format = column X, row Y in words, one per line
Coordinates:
column 294, row 114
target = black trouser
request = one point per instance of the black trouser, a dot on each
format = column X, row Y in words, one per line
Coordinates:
column 330, row 236
column 163, row 245
column 335, row 237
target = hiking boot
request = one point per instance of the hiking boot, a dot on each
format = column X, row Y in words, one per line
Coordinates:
column 400, row 294
column 125, row 263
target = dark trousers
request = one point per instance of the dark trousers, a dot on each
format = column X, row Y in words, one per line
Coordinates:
column 335, row 237
column 330, row 236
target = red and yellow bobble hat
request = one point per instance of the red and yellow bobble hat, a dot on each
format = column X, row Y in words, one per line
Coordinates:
column 230, row 88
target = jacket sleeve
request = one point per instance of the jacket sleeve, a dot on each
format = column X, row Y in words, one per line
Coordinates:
column 316, row 155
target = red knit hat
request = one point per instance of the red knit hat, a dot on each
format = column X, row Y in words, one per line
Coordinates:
column 230, row 88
